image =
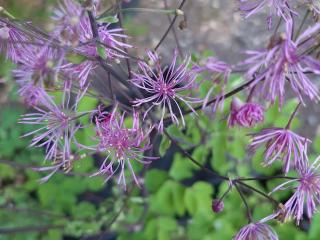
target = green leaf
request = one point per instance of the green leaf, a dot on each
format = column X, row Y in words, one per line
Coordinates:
column 76, row 58
column 169, row 199
column 83, row 210
column 181, row 168
column 198, row 198
column 164, row 145
column 154, row 179
column 219, row 148
column 314, row 231
column 102, row 52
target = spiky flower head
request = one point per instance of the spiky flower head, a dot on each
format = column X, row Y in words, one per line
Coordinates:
column 38, row 66
column 283, row 61
column 31, row 94
column 12, row 41
column 56, row 131
column 255, row 231
column 215, row 68
column 278, row 7
column 165, row 87
column 122, row 145
column 281, row 144
column 67, row 19
column 73, row 19
column 306, row 192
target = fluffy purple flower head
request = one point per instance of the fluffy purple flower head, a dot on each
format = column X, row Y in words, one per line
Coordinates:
column 57, row 128
column 281, row 144
column 213, row 65
column 80, row 29
column 278, row 7
column 306, row 193
column 245, row 115
column 165, row 87
column 31, row 94
column 123, row 145
column 11, row 40
column 284, row 61
column 67, row 18
column 255, row 231
column 38, row 66
column 112, row 40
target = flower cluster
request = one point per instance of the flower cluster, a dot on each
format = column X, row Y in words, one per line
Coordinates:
column 151, row 94
column 74, row 28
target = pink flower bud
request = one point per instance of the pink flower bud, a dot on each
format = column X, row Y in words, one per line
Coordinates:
column 217, row 205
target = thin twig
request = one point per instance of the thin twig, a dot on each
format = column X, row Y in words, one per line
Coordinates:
column 174, row 32
column 170, row 26
column 120, row 16
column 245, row 203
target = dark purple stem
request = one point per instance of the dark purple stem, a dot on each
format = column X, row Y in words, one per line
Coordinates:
column 293, row 115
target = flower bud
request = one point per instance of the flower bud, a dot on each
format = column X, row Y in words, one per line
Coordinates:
column 217, row 205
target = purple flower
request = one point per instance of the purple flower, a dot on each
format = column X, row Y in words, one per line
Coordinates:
column 283, row 61
column 123, row 145
column 250, row 114
column 31, row 94
column 245, row 115
column 74, row 19
column 57, row 128
column 67, row 19
column 165, row 87
column 213, row 65
column 37, row 66
column 283, row 144
column 10, row 37
column 112, row 40
column 280, row 7
column 307, row 192
column 255, row 231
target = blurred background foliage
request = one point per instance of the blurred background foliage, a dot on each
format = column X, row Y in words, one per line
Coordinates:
column 175, row 200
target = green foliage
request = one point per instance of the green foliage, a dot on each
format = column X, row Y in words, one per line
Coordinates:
column 164, row 145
